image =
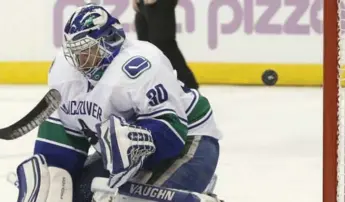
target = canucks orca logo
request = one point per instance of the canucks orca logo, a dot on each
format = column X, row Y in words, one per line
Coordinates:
column 135, row 66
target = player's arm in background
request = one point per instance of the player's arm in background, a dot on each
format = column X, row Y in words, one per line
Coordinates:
column 156, row 99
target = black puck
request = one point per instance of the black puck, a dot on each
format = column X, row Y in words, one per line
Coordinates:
column 269, row 77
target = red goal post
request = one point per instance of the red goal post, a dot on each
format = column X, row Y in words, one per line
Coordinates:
column 333, row 142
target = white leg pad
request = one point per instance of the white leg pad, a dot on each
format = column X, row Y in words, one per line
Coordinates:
column 33, row 180
column 61, row 185
column 39, row 183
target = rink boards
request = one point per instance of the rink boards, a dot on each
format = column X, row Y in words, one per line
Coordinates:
column 206, row 73
column 244, row 42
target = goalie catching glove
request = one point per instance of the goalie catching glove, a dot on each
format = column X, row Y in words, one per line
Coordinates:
column 124, row 148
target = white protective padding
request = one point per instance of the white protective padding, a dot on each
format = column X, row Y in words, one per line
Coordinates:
column 37, row 182
column 33, row 178
column 123, row 148
column 61, row 185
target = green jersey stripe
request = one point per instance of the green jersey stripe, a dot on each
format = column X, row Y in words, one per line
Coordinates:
column 68, row 130
column 160, row 113
column 199, row 111
column 57, row 133
column 174, row 123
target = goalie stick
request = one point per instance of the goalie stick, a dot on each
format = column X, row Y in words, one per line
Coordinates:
column 143, row 192
column 49, row 103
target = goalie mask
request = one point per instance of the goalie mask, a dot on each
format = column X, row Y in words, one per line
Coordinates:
column 92, row 38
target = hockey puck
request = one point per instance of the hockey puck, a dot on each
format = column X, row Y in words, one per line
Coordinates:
column 269, row 77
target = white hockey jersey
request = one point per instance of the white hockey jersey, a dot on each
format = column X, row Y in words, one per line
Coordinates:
column 139, row 84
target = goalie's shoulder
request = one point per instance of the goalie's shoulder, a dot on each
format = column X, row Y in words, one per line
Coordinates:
column 61, row 73
column 130, row 68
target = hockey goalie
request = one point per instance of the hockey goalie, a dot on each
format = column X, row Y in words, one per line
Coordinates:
column 154, row 139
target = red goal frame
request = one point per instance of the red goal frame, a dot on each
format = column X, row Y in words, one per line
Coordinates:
column 330, row 100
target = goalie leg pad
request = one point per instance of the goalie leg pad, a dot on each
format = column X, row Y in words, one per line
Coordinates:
column 61, row 185
column 39, row 183
column 33, row 180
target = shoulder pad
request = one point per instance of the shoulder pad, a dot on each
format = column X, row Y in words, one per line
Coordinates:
column 135, row 66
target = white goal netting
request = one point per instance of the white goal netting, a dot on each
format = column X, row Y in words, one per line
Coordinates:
column 341, row 106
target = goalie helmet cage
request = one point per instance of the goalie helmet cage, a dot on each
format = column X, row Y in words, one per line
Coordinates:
column 333, row 101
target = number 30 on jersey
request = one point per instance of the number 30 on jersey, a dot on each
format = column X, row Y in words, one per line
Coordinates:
column 157, row 95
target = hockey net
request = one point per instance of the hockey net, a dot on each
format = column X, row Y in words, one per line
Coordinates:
column 333, row 101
